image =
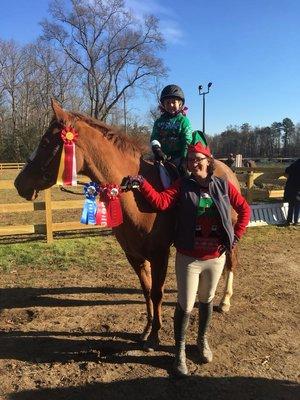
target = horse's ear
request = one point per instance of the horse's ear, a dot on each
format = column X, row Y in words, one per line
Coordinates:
column 60, row 114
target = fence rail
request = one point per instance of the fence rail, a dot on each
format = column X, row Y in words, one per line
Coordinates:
column 47, row 205
column 253, row 178
column 261, row 214
column 17, row 166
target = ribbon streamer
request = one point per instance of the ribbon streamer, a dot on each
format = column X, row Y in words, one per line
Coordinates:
column 110, row 195
column 101, row 214
column 67, row 174
column 88, row 216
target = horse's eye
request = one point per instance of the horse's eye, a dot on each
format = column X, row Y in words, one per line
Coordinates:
column 44, row 143
column 46, row 176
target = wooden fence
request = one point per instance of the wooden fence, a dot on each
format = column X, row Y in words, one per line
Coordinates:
column 48, row 206
column 4, row 166
column 248, row 177
column 257, row 180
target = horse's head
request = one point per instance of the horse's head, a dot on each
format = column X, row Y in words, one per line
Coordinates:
column 41, row 169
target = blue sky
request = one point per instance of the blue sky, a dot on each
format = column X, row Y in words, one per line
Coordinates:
column 249, row 49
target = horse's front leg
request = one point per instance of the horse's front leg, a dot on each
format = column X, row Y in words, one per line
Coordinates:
column 143, row 271
column 159, row 265
column 228, row 291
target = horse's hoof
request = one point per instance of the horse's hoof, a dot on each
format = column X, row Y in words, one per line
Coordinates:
column 223, row 308
column 144, row 337
column 146, row 333
column 150, row 345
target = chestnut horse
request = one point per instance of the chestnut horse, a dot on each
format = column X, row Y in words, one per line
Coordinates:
column 106, row 155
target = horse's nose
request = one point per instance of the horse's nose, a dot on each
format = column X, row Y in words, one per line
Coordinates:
column 17, row 182
column 23, row 191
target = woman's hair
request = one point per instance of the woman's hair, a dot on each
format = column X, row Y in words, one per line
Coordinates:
column 211, row 167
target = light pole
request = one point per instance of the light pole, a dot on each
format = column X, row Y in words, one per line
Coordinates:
column 203, row 109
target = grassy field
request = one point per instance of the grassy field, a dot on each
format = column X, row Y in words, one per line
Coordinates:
column 83, row 252
column 87, row 251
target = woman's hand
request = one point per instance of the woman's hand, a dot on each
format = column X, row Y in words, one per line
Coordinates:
column 132, row 182
column 235, row 241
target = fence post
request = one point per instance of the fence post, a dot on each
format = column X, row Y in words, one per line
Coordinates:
column 250, row 183
column 48, row 211
column 238, row 161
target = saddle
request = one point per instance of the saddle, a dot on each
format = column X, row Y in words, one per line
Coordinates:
column 168, row 173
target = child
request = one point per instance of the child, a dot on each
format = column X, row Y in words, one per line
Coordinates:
column 172, row 132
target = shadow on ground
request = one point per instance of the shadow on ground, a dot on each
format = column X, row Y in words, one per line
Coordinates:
column 51, row 347
column 225, row 388
column 41, row 297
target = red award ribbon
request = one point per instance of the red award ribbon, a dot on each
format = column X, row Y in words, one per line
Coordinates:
column 67, row 174
column 111, row 197
column 101, row 214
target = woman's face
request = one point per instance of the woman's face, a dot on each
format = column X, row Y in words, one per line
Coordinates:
column 172, row 105
column 197, row 164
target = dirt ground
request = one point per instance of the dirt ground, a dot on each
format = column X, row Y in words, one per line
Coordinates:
column 73, row 334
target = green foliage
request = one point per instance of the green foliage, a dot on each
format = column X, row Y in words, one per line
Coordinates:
column 281, row 139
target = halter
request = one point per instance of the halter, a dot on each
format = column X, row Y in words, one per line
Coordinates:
column 45, row 164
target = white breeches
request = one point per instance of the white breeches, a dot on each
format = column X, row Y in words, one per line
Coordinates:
column 195, row 275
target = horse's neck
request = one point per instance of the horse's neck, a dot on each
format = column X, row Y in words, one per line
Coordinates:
column 105, row 163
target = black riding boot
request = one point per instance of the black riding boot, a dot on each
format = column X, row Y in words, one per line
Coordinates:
column 205, row 313
column 181, row 321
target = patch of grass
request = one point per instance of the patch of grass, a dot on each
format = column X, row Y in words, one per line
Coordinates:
column 271, row 233
column 104, row 251
column 85, row 252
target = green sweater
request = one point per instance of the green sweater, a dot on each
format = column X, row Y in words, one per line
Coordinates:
column 173, row 133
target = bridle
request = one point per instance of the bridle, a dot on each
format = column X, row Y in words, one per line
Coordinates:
column 43, row 166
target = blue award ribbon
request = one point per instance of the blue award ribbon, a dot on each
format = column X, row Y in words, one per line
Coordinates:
column 91, row 191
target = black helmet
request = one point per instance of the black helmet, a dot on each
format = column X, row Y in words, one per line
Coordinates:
column 172, row 91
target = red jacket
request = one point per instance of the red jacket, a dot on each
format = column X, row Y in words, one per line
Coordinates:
column 170, row 196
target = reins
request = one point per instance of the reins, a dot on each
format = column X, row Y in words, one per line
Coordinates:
column 123, row 188
column 63, row 189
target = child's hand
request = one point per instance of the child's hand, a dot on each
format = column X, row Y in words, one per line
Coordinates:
column 159, row 155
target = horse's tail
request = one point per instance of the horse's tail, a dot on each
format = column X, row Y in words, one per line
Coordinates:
column 232, row 261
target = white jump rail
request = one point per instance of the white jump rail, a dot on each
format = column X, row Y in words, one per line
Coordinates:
column 268, row 214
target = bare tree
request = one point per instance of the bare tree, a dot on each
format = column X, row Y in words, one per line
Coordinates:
column 114, row 50
column 12, row 66
column 55, row 75
column 29, row 77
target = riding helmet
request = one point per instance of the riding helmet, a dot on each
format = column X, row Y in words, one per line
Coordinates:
column 172, row 91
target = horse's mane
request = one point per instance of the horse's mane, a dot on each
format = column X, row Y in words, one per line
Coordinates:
column 119, row 138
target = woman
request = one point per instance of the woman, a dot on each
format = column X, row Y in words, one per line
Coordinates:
column 292, row 192
column 204, row 233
